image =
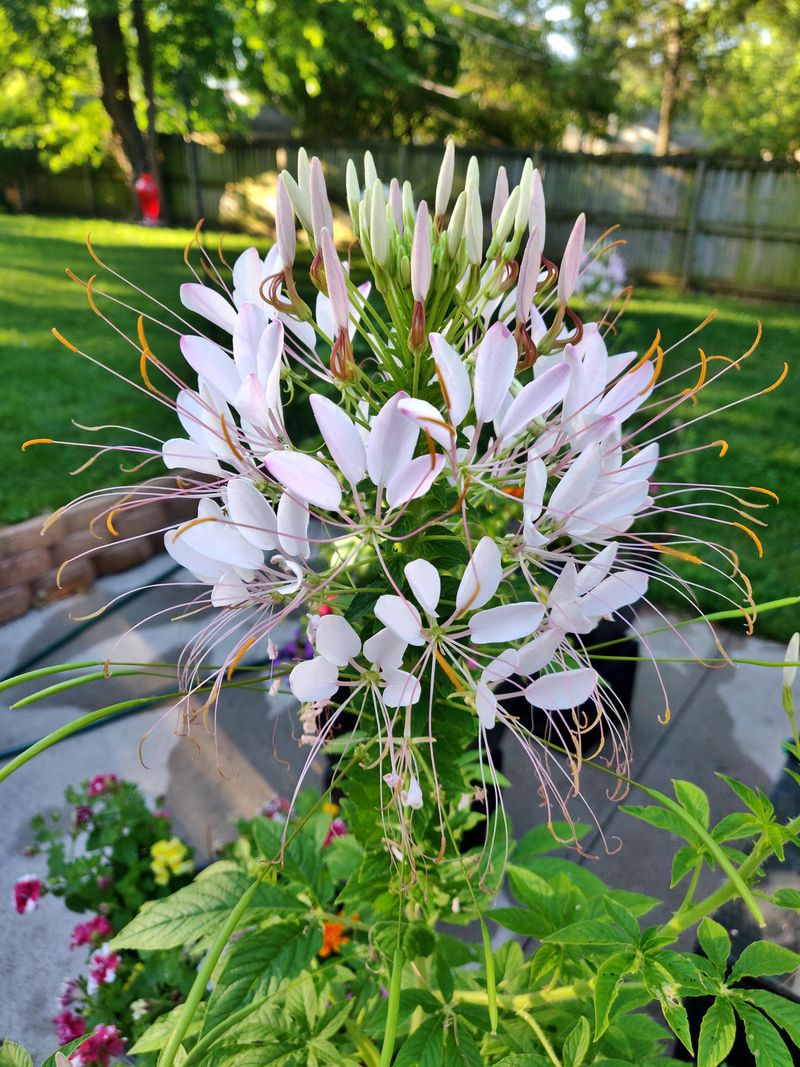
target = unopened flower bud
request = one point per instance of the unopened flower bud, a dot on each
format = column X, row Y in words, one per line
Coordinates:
column 378, row 235
column 473, row 225
column 321, row 214
column 405, row 270
column 353, row 192
column 536, row 214
column 335, row 280
column 791, row 658
column 571, row 261
column 455, row 228
column 473, row 175
column 284, row 225
column 444, row 183
column 421, row 257
column 528, row 276
column 524, row 203
column 504, row 223
column 300, row 202
column 303, row 171
column 370, row 174
column 500, row 195
column 413, row 795
column 408, row 204
column 396, row 203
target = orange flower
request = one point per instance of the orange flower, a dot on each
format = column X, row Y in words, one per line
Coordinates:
column 332, row 938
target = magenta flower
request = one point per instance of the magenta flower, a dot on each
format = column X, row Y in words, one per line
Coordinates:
column 337, row 828
column 101, row 783
column 81, row 816
column 70, row 992
column 68, row 1026
column 105, row 1043
column 102, row 969
column 90, row 932
column 26, row 893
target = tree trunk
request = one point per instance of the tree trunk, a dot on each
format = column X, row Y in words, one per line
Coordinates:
column 112, row 62
column 144, row 54
column 673, row 50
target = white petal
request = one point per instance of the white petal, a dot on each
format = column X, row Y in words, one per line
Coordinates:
column 314, row 679
column 246, row 337
column 621, row 589
column 413, row 480
column 195, row 417
column 401, row 617
column 306, row 478
column 428, row 419
column 391, row 443
column 293, row 571
column 401, row 690
column 219, row 539
column 385, row 649
column 538, row 652
column 502, row 667
column 481, row 576
column 180, row 452
column 505, row 623
column 567, row 689
column 413, row 795
column 270, row 349
column 534, row 399
column 486, row 706
column 571, row 263
column 210, row 304
column 453, row 378
column 203, row 568
column 426, row 585
column 248, row 272
column 629, row 393
column 211, row 364
column 229, row 591
column 610, row 507
column 336, row 640
column 495, row 364
column 341, row 438
column 595, row 570
column 535, row 485
column 577, row 484
column 254, row 516
column 323, row 316
column 251, row 403
column 293, row 527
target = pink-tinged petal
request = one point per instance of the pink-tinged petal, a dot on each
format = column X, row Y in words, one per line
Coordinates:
column 401, row 690
column 640, row 465
column 210, row 304
column 567, row 689
column 285, row 234
column 180, row 452
column 323, row 316
column 595, row 570
column 391, row 443
column 500, row 198
column 306, row 478
column 412, row 796
column 535, row 485
column 505, row 623
column 495, row 364
column 537, row 218
column 414, row 480
column 629, row 393
column 293, row 527
column 401, row 617
column 426, row 585
column 270, row 350
column 538, row 652
column 229, row 591
column 444, row 182
column 203, row 568
column 314, row 679
column 453, row 378
column 254, row 516
column 213, row 365
column 342, row 439
column 421, row 256
column 302, row 332
column 249, row 271
column 194, row 416
column 481, row 576
column 336, row 640
column 251, row 402
column 528, row 276
column 321, row 214
column 537, row 330
column 429, row 419
column 626, row 499
column 249, row 328
column 272, row 393
column 219, row 539
column 621, row 589
column 615, row 365
column 535, row 399
column 577, row 485
column 571, row 262
column 502, row 667
column 486, row 706
column 385, row 649
column 336, row 283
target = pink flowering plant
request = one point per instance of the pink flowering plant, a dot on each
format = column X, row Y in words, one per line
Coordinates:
column 427, row 458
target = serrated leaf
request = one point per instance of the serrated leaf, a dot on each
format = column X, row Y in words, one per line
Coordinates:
column 425, row 1047
column 13, row 1055
column 762, row 958
column 658, row 817
column 780, row 1009
column 158, row 1032
column 607, row 986
column 528, row 887
column 717, row 1034
column 757, row 801
column 589, row 932
column 622, row 917
column 768, row 1047
column 520, row 921
column 460, row 1050
column 684, row 860
column 661, row 985
column 576, row 1044
column 734, row 827
column 693, row 799
column 715, row 942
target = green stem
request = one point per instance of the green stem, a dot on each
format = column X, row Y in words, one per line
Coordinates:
column 548, row 1048
column 366, row 1049
column 392, row 1009
column 83, row 679
column 579, row 990
column 197, row 992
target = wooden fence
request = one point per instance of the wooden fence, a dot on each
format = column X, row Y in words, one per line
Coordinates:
column 691, row 221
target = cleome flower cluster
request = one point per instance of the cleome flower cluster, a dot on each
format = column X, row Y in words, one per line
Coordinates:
column 442, row 468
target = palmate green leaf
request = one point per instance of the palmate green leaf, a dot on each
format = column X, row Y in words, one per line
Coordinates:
column 756, row 800
column 425, row 1047
column 693, row 799
column 288, row 1052
column 660, row 818
column 590, row 932
column 782, row 1011
column 193, row 912
column 521, row 921
column 762, row 958
column 735, row 827
column 717, row 1034
column 13, row 1055
column 608, row 981
column 662, row 986
column 763, row 1040
column 622, row 917
column 576, row 1044
column 715, row 942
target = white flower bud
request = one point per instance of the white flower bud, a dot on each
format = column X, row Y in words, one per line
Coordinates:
column 284, row 225
column 321, row 214
column 524, row 202
column 473, row 224
column 370, row 174
column 792, row 656
column 353, row 192
column 571, row 261
column 409, row 211
column 396, row 203
column 455, row 228
column 335, row 279
column 378, row 235
column 421, row 256
column 300, row 202
column 303, row 171
column 444, row 183
column 504, row 223
column 500, row 195
column 528, row 276
column 473, row 175
column 536, row 215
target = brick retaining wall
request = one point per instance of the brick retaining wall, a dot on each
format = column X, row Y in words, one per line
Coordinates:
column 29, row 558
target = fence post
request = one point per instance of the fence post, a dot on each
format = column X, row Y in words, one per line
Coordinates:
column 691, row 223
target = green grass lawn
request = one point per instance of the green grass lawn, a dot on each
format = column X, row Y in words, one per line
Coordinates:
column 45, row 385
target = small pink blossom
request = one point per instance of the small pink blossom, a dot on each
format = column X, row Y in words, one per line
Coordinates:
column 81, row 816
column 276, row 809
column 101, row 783
column 26, row 893
column 97, row 1051
column 104, row 881
column 90, row 932
column 70, row 992
column 68, row 1026
column 337, row 828
column 102, row 969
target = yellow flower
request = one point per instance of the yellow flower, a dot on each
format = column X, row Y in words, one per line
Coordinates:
column 168, row 858
column 331, row 809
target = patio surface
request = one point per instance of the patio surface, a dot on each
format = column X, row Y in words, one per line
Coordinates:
column 728, row 721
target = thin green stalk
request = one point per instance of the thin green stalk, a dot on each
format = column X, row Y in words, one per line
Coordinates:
column 84, row 679
column 366, row 1048
column 392, row 1009
column 578, row 990
column 491, row 980
column 197, row 992
column 541, row 1035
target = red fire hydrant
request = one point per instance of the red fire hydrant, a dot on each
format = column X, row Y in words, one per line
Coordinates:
column 149, row 198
